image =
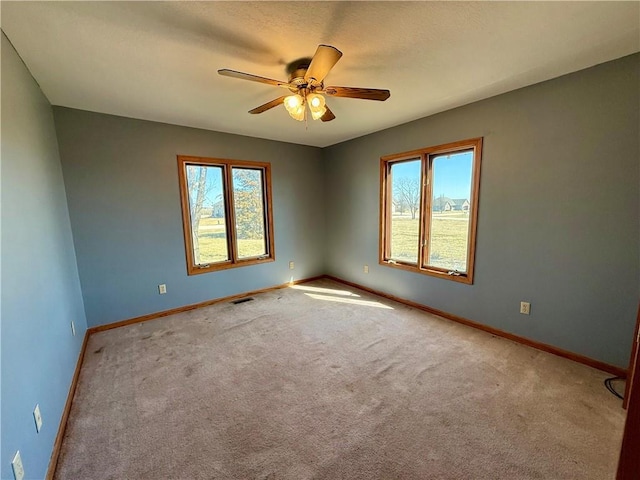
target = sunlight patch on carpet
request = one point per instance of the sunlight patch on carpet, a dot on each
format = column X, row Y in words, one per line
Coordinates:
column 332, row 291
column 364, row 303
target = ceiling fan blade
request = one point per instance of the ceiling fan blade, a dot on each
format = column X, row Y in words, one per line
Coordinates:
column 356, row 92
column 254, row 78
column 328, row 115
column 268, row 105
column 322, row 62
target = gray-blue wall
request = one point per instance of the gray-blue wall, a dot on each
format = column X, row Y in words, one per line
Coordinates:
column 121, row 177
column 40, row 288
column 559, row 211
column 559, row 225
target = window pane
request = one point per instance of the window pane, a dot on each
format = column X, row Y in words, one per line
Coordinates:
column 248, row 199
column 405, row 211
column 207, row 213
column 451, row 204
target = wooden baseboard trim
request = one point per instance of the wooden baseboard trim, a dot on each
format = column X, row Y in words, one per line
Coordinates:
column 57, row 444
column 186, row 308
column 633, row 368
column 605, row 367
column 620, row 372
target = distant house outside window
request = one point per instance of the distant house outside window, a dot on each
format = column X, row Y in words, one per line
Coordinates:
column 429, row 202
column 226, row 213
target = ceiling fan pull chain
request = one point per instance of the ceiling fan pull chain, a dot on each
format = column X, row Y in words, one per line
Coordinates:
column 304, row 103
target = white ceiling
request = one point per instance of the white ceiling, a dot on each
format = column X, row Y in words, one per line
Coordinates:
column 159, row 60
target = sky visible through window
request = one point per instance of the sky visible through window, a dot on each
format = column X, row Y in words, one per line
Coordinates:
column 213, row 188
column 433, row 234
column 453, row 174
column 207, row 212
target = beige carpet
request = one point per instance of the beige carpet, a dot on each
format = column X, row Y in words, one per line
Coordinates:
column 302, row 383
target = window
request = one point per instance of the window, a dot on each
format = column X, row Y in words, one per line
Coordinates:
column 429, row 209
column 226, row 213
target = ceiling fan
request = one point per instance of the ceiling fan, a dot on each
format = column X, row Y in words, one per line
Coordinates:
column 306, row 77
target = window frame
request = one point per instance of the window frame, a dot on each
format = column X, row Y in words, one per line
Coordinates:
column 426, row 155
column 227, row 166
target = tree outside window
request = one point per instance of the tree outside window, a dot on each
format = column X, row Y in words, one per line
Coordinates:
column 429, row 201
column 226, row 206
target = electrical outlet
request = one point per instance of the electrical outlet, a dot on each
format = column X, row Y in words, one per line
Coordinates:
column 37, row 416
column 366, row 269
column 525, row 308
column 18, row 469
column 73, row 328
column 291, row 265
column 162, row 289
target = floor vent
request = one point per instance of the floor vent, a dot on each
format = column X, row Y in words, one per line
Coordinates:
column 242, row 300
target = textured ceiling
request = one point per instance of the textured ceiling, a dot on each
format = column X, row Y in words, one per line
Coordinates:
column 158, row 60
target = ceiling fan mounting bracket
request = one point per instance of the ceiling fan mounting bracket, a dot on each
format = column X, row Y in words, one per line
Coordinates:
column 299, row 64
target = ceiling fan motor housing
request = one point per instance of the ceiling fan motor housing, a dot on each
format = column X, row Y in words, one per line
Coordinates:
column 297, row 76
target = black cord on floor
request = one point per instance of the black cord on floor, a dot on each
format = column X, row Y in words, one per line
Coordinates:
column 607, row 383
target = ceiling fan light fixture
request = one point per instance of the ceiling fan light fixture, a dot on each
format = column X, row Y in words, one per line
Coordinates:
column 318, row 114
column 292, row 102
column 295, row 106
column 298, row 113
column 316, row 105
